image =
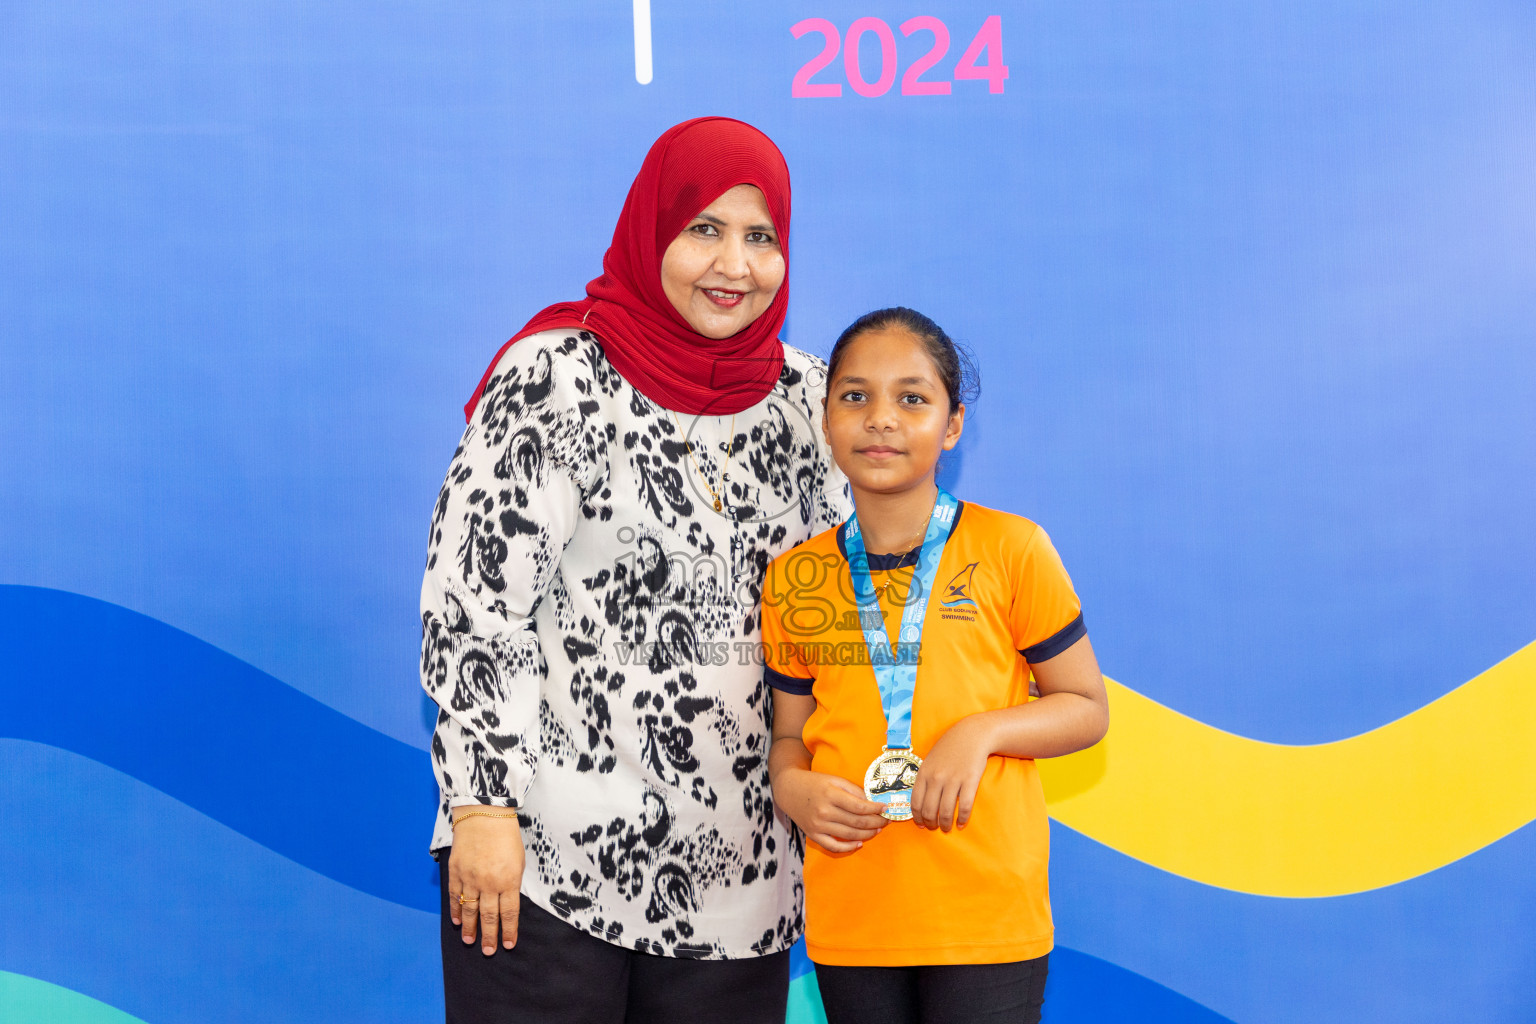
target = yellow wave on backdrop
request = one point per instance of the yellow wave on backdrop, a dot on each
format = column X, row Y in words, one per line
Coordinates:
column 1304, row 821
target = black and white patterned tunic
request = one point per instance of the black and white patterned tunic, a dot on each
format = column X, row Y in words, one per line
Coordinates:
column 590, row 635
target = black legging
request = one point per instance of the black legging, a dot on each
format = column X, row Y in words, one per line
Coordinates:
column 558, row 974
column 950, row 994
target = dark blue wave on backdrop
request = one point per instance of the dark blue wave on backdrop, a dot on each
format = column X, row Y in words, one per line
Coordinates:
column 239, row 953
column 114, row 705
column 1252, row 290
column 117, row 698
column 219, row 736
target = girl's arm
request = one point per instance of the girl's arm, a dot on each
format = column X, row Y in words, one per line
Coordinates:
column 1071, row 714
column 830, row 810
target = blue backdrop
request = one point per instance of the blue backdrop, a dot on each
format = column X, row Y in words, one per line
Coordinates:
column 1251, row 286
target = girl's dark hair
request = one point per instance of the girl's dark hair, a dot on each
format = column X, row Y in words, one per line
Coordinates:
column 957, row 370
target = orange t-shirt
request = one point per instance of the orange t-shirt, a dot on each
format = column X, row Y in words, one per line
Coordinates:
column 912, row 896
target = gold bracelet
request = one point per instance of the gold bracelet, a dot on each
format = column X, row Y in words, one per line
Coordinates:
column 482, row 814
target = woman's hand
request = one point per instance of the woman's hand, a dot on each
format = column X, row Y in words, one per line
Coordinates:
column 485, row 866
column 946, row 783
column 829, row 809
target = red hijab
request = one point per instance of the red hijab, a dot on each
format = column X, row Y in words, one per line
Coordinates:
column 643, row 336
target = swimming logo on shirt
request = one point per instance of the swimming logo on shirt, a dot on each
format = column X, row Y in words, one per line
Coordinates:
column 958, row 590
column 956, row 603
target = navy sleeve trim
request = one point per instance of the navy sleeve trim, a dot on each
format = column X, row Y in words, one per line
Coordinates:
column 1065, row 637
column 789, row 684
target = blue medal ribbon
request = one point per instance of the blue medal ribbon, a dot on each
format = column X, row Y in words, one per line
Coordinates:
column 896, row 671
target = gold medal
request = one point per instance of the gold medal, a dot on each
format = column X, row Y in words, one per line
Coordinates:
column 889, row 781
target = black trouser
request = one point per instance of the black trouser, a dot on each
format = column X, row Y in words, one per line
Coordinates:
column 948, row 994
column 557, row 974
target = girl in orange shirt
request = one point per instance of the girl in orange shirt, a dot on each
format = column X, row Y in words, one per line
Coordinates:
column 904, row 731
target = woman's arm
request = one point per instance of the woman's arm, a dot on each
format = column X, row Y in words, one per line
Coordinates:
column 1071, row 714
column 830, row 810
column 506, row 510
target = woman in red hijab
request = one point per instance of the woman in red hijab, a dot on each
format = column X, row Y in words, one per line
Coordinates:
column 632, row 462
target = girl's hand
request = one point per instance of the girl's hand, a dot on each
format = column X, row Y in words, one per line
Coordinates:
column 829, row 809
column 947, row 781
column 485, row 866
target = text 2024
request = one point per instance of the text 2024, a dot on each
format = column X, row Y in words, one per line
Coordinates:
column 981, row 61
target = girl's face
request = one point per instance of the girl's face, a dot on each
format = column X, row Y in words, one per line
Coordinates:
column 723, row 269
column 887, row 415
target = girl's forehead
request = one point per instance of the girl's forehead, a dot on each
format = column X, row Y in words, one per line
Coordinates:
column 885, row 353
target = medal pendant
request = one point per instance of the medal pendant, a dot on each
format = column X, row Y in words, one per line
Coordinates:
column 889, row 781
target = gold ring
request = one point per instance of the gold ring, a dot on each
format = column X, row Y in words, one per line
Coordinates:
column 467, row 899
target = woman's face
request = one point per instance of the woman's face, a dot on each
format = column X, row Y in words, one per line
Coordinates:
column 725, row 267
column 887, row 415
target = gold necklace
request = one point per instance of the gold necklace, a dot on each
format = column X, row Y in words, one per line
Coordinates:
column 687, row 443
column 880, row 587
